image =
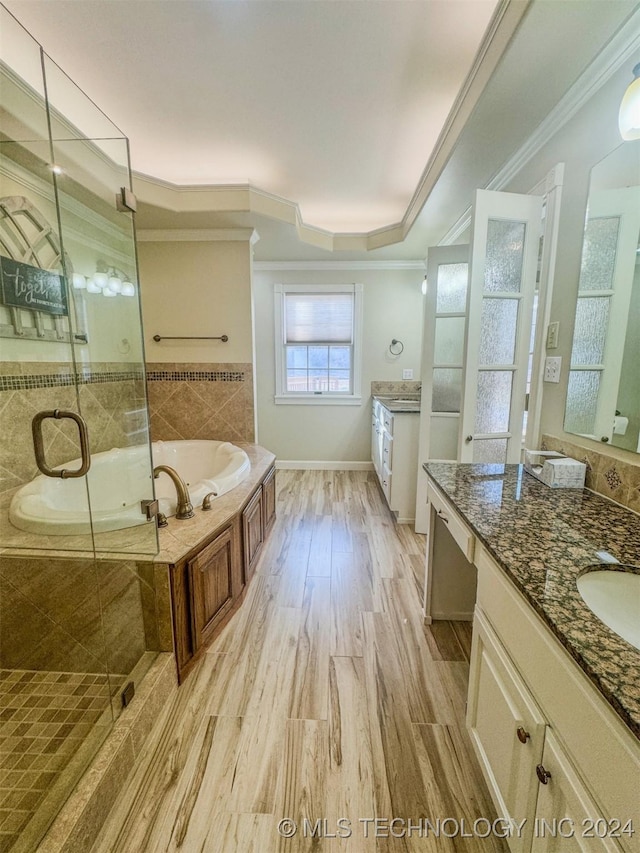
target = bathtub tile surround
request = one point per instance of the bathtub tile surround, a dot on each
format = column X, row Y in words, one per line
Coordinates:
column 543, row 539
column 613, row 478
column 104, row 388
column 201, row 400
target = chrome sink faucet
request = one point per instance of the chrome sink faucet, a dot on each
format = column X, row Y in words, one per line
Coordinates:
column 185, row 507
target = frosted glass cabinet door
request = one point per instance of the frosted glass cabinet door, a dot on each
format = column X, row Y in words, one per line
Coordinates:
column 504, row 257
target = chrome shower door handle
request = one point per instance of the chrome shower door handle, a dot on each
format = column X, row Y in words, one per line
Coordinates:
column 38, row 443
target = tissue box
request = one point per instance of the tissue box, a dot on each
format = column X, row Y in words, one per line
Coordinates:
column 555, row 470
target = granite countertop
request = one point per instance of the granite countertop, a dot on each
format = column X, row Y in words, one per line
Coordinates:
column 544, row 539
column 399, row 403
column 139, row 543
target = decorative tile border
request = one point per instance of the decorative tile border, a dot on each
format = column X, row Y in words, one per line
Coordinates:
column 25, row 382
column 195, row 376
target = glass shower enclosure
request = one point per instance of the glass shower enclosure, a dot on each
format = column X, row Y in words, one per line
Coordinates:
column 77, row 600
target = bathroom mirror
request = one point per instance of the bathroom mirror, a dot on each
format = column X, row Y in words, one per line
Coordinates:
column 603, row 395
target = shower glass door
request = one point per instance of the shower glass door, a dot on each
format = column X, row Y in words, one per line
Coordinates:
column 100, row 257
column 76, row 600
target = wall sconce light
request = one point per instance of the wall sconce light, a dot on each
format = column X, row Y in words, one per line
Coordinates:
column 629, row 115
column 101, row 280
column 107, row 280
column 424, row 285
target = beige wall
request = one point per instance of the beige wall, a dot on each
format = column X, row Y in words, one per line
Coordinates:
column 196, row 288
column 392, row 308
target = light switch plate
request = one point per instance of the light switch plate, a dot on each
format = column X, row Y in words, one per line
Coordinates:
column 552, row 335
column 407, row 373
column 552, row 368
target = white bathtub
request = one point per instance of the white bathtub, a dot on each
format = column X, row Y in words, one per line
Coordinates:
column 119, row 479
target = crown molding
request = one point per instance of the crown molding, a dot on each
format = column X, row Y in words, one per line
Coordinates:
column 620, row 50
column 197, row 235
column 279, row 266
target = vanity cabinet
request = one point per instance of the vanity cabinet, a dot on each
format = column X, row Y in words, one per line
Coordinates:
column 252, row 532
column 573, row 772
column 208, row 584
column 215, row 582
column 394, row 453
column 506, row 728
column 269, row 501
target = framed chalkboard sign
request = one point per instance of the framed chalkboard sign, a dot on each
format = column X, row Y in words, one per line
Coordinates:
column 26, row 286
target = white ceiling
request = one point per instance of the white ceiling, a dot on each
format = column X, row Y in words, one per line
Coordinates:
column 334, row 106
column 332, row 111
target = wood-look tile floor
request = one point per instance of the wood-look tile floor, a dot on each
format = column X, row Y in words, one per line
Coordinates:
column 325, row 701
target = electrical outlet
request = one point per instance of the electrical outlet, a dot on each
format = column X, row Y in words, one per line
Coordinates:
column 552, row 335
column 552, row 368
column 407, row 373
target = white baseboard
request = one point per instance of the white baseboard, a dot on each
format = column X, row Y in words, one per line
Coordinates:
column 405, row 520
column 311, row 465
column 454, row 616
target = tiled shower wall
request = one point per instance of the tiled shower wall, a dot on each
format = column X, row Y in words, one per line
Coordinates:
column 201, row 400
column 610, row 477
column 209, row 401
column 111, row 399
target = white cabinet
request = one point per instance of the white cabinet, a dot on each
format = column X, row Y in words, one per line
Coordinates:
column 566, row 815
column 576, row 777
column 394, row 453
column 507, row 731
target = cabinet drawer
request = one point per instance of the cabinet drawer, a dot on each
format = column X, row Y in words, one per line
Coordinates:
column 458, row 529
column 385, row 482
column 387, row 450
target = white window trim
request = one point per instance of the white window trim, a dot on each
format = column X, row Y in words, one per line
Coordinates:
column 281, row 396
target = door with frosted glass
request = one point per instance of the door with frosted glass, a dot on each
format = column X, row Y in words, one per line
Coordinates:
column 442, row 362
column 506, row 232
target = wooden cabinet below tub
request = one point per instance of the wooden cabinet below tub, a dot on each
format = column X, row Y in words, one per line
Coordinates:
column 209, row 583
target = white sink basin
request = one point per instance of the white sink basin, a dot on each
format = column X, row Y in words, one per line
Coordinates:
column 614, row 597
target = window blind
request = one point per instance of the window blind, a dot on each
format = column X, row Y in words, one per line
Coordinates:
column 318, row 318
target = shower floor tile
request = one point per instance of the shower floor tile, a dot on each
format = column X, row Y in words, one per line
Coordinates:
column 45, row 718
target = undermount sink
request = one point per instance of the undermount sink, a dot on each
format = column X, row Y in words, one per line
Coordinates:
column 613, row 595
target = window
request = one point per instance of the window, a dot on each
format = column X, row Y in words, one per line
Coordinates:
column 318, row 335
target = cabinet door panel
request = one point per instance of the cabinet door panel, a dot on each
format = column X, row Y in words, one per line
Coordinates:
column 252, row 533
column 501, row 715
column 269, row 501
column 567, row 819
column 211, row 573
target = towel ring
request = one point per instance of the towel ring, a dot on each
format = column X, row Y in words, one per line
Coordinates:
column 396, row 343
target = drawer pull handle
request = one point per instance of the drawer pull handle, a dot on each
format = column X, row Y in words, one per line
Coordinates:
column 543, row 775
column 523, row 735
column 443, row 516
